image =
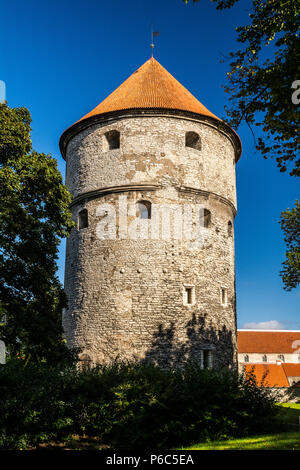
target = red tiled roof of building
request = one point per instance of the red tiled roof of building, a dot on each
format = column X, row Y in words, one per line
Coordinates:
column 268, row 341
column 291, row 370
column 151, row 86
column 274, row 375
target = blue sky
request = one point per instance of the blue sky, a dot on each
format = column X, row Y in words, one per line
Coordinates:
column 61, row 58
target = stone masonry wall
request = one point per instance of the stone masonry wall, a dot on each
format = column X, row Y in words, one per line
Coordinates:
column 152, row 150
column 126, row 297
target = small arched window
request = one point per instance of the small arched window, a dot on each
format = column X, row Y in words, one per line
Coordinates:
column 281, row 357
column 192, row 140
column 264, row 358
column 144, row 209
column 112, row 139
column 205, row 218
column 246, row 358
column 83, row 219
column 299, row 358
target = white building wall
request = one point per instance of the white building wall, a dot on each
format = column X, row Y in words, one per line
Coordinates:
column 271, row 358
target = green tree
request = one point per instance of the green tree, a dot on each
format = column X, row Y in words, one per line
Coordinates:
column 290, row 224
column 34, row 216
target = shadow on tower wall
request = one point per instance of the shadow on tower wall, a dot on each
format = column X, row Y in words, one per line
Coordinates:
column 169, row 350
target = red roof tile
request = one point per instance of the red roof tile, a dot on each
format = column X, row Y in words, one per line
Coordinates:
column 268, row 341
column 274, row 375
column 151, row 86
column 291, row 370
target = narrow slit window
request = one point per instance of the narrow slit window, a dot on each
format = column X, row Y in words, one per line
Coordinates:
column 192, row 140
column 229, row 228
column 83, row 219
column 264, row 358
column 246, row 358
column 189, row 295
column 189, row 298
column 223, row 296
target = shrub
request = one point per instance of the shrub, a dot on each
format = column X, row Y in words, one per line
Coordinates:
column 129, row 405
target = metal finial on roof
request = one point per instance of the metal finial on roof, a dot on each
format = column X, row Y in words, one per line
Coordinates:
column 153, row 35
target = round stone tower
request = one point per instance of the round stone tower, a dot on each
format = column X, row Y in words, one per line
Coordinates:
column 150, row 270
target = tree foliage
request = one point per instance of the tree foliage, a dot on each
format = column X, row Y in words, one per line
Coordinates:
column 130, row 405
column 290, row 224
column 34, row 216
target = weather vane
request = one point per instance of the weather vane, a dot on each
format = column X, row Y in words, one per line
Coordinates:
column 153, row 35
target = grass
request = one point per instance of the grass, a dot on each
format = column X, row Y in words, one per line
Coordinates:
column 289, row 417
column 289, row 413
column 282, row 441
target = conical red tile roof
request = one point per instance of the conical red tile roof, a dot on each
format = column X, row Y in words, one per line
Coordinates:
column 151, row 86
